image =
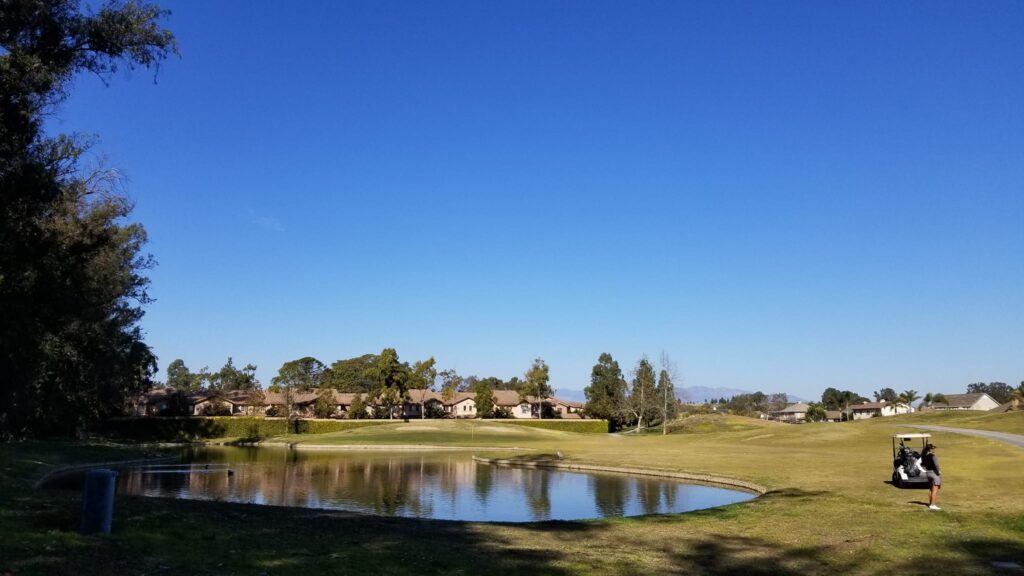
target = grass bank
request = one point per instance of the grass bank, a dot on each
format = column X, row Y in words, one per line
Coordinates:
column 828, row 510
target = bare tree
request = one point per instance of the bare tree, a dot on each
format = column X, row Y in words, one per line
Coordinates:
column 666, row 384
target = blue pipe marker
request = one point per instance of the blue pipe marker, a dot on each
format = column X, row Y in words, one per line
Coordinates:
column 98, row 501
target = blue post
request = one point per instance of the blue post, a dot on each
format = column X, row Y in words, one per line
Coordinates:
column 98, row 501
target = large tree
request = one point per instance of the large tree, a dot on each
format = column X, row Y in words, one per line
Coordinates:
column 484, row 398
column 390, row 379
column 230, row 378
column 887, row 394
column 450, row 383
column 302, row 375
column 536, row 384
column 668, row 404
column 423, row 374
column 72, row 282
column 606, row 395
column 180, row 378
column 349, row 375
column 999, row 391
column 643, row 399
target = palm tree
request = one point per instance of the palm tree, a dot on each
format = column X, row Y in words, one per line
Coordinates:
column 908, row 397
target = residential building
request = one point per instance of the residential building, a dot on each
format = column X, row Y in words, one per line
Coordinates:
column 978, row 401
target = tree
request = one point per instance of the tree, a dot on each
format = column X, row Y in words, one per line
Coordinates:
column 350, row 375
column 229, row 378
column 484, row 398
column 390, row 379
column 908, row 397
column 1016, row 397
column 834, row 399
column 887, row 394
column 939, row 398
column 357, row 410
column 180, row 378
column 831, row 398
column 257, row 399
column 302, row 375
column 643, row 398
column 423, row 374
column 666, row 394
column 536, row 384
column 775, row 402
column 748, row 404
column 606, row 395
column 999, row 391
column 450, row 383
column 72, row 282
column 324, row 405
column 815, row 412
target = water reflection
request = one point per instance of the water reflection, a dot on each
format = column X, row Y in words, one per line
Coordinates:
column 427, row 485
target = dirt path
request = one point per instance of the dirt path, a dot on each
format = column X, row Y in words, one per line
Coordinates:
column 1014, row 439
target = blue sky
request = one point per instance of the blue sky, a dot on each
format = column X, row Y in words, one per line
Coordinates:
column 783, row 196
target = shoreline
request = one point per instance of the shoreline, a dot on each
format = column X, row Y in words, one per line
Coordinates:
column 699, row 478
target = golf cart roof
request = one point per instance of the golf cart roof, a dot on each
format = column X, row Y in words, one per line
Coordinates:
column 914, row 435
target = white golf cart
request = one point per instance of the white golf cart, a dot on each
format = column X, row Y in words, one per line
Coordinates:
column 906, row 461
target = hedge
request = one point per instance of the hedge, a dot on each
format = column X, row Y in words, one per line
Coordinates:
column 159, row 429
column 592, row 426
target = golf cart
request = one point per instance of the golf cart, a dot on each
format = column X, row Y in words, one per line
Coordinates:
column 906, row 462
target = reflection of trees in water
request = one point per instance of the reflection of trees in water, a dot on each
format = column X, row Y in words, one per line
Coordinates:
column 648, row 495
column 383, row 484
column 431, row 485
column 483, row 482
column 610, row 494
column 669, row 491
column 537, row 484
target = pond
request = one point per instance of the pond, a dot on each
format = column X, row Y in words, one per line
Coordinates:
column 440, row 485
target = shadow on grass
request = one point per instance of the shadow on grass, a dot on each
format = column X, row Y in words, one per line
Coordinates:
column 190, row 537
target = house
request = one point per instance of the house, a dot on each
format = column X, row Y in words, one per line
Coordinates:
column 463, row 405
column 566, row 407
column 979, row 401
column 511, row 401
column 883, row 408
column 421, row 403
column 794, row 413
column 833, row 415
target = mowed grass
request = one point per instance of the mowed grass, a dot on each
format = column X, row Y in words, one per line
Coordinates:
column 1012, row 422
column 434, row 433
column 829, row 511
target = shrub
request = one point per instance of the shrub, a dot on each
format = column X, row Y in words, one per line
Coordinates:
column 216, row 408
column 591, row 426
column 434, row 410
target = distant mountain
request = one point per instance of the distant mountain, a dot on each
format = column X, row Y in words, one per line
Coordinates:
column 574, row 395
column 687, row 394
column 702, row 393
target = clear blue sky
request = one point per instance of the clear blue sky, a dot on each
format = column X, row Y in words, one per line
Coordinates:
column 784, row 196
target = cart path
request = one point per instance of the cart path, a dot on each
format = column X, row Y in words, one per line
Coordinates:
column 1014, row 439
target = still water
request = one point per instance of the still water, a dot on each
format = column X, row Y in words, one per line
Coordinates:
column 445, row 485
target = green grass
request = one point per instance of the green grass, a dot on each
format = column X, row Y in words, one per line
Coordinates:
column 828, row 511
column 1012, row 422
column 436, row 432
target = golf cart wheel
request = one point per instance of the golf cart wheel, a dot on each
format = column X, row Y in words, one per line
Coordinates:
column 896, row 480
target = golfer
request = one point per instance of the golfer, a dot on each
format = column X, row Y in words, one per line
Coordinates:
column 931, row 465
